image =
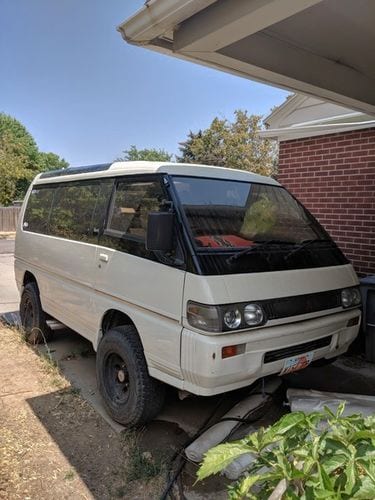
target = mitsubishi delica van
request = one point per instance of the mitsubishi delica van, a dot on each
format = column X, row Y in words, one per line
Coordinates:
column 204, row 278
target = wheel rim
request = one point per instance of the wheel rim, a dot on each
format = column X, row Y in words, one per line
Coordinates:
column 28, row 315
column 116, row 378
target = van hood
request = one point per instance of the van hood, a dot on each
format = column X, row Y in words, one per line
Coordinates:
column 231, row 288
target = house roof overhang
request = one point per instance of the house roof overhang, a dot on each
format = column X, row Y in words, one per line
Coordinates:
column 290, row 133
column 322, row 48
column 302, row 116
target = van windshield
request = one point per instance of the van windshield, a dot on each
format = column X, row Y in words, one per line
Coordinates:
column 249, row 227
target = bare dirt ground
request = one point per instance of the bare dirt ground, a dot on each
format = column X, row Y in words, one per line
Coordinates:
column 53, row 445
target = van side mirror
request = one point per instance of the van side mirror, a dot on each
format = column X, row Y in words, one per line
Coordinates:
column 160, row 231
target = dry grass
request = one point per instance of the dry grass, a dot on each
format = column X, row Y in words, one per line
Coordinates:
column 54, row 445
column 10, row 235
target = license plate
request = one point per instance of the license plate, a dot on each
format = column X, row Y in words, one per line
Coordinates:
column 297, row 363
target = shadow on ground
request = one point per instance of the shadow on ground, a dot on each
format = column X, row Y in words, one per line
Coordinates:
column 104, row 459
column 102, row 455
column 76, row 359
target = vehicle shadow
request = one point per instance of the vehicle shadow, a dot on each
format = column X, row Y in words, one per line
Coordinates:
column 97, row 447
column 94, row 451
column 76, row 358
column 347, row 375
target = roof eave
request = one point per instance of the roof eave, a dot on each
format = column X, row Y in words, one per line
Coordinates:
column 157, row 17
column 290, row 133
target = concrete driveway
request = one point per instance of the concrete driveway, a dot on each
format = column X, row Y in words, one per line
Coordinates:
column 9, row 297
column 6, row 246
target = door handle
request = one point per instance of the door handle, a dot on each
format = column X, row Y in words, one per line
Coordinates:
column 103, row 257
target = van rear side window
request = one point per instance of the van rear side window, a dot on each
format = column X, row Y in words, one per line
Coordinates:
column 74, row 211
column 38, row 210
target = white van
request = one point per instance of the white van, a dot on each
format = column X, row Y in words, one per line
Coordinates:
column 203, row 278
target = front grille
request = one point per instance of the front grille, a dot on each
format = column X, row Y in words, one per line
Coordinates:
column 288, row 352
column 301, row 304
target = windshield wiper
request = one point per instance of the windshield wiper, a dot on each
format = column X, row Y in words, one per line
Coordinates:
column 255, row 248
column 304, row 245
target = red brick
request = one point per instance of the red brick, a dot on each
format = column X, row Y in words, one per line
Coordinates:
column 334, row 177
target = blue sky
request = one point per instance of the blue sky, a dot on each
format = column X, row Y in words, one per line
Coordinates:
column 86, row 95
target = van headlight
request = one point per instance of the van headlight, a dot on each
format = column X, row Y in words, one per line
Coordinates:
column 253, row 314
column 232, row 319
column 350, row 297
column 224, row 318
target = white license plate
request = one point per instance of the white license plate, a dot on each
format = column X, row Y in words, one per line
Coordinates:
column 297, row 363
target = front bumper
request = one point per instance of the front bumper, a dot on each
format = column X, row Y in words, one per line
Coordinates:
column 206, row 373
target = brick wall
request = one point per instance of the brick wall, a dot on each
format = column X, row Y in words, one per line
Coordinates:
column 334, row 177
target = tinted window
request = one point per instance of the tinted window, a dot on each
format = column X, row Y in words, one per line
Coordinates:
column 38, row 210
column 73, row 211
column 243, row 227
column 232, row 214
column 131, row 204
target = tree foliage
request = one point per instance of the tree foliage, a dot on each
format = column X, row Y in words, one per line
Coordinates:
column 20, row 159
column 13, row 167
column 234, row 144
column 147, row 154
column 50, row 161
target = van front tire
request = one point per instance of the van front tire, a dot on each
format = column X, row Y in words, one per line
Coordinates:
column 33, row 318
column 130, row 395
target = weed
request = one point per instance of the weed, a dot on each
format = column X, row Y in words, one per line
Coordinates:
column 69, row 475
column 121, row 492
column 69, row 356
column 83, row 353
column 49, row 363
column 75, row 391
column 141, row 465
column 144, row 466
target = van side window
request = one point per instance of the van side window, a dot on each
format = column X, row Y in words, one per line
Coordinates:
column 132, row 202
column 38, row 210
column 73, row 210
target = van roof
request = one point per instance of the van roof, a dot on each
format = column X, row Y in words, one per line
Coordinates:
column 149, row 167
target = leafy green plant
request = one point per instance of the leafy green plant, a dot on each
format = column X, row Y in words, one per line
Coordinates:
column 316, row 456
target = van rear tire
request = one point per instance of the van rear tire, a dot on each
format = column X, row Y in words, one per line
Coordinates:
column 130, row 395
column 33, row 318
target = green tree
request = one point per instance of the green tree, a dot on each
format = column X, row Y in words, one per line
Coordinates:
column 13, row 161
column 50, row 161
column 234, row 144
column 20, row 159
column 147, row 154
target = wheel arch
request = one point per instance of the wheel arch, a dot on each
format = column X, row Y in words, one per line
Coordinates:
column 113, row 318
column 29, row 277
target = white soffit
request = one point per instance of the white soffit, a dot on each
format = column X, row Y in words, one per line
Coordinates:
column 289, row 133
column 322, row 48
column 303, row 116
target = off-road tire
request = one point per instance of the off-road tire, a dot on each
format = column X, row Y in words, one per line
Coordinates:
column 140, row 397
column 33, row 318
